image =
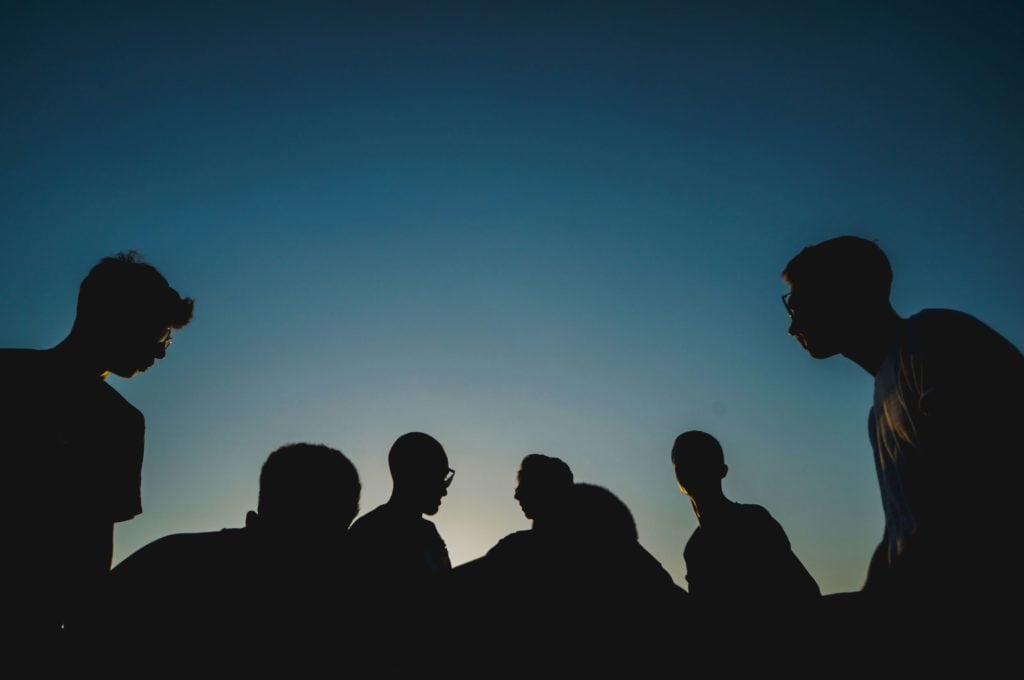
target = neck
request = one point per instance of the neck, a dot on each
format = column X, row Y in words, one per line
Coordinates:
column 403, row 504
column 877, row 336
column 709, row 505
column 80, row 356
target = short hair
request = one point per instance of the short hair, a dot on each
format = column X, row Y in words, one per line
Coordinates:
column 845, row 265
column 306, row 480
column 548, row 471
column 700, row 447
column 125, row 285
column 414, row 453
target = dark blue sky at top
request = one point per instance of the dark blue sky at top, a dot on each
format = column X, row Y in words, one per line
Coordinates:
column 518, row 226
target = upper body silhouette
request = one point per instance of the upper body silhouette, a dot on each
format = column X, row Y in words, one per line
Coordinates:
column 579, row 580
column 400, row 555
column 947, row 399
column 610, row 591
column 394, row 539
column 73, row 445
column 738, row 560
column 284, row 577
column 543, row 485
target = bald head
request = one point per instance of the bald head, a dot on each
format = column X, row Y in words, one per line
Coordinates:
column 419, row 470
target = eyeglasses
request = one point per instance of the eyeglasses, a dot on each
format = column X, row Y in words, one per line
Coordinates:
column 785, row 303
column 165, row 339
column 449, row 476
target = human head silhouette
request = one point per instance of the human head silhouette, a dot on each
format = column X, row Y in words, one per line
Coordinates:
column 543, row 482
column 837, row 288
column 126, row 313
column 699, row 463
column 597, row 517
column 307, row 490
column 420, row 472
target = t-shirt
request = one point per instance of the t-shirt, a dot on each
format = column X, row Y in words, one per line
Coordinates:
column 399, row 546
column 73, row 451
column 237, row 589
column 743, row 562
column 944, row 428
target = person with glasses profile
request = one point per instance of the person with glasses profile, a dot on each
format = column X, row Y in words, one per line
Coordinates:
column 399, row 551
column 73, row 445
column 944, row 420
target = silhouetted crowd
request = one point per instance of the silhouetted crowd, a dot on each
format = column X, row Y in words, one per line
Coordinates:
column 304, row 585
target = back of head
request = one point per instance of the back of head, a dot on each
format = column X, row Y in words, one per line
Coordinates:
column 545, row 472
column 308, row 486
column 597, row 516
column 698, row 459
column 415, row 456
column 543, row 483
column 847, row 267
column 124, row 289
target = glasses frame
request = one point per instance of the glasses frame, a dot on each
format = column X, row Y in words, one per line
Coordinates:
column 785, row 303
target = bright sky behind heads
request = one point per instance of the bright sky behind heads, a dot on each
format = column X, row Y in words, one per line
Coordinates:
column 520, row 227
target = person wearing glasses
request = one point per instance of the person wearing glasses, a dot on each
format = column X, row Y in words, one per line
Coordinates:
column 948, row 400
column 72, row 445
column 401, row 550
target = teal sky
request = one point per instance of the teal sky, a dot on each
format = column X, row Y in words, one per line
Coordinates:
column 523, row 227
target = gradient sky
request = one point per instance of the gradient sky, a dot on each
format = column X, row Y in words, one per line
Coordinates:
column 521, row 227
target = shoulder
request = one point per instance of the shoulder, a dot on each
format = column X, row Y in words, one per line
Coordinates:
column 514, row 541
column 756, row 518
column 374, row 520
column 943, row 345
column 168, row 552
column 752, row 512
column 19, row 364
column 951, row 329
column 943, row 319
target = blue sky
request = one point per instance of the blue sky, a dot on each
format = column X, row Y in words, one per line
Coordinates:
column 521, row 227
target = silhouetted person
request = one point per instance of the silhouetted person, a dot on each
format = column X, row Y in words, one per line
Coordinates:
column 600, row 537
column 543, row 485
column 947, row 405
column 400, row 551
column 738, row 560
column 73, row 445
column 282, row 579
column 515, row 565
column 613, row 594
column 576, row 590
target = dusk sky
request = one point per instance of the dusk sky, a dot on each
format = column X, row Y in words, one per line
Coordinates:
column 551, row 227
